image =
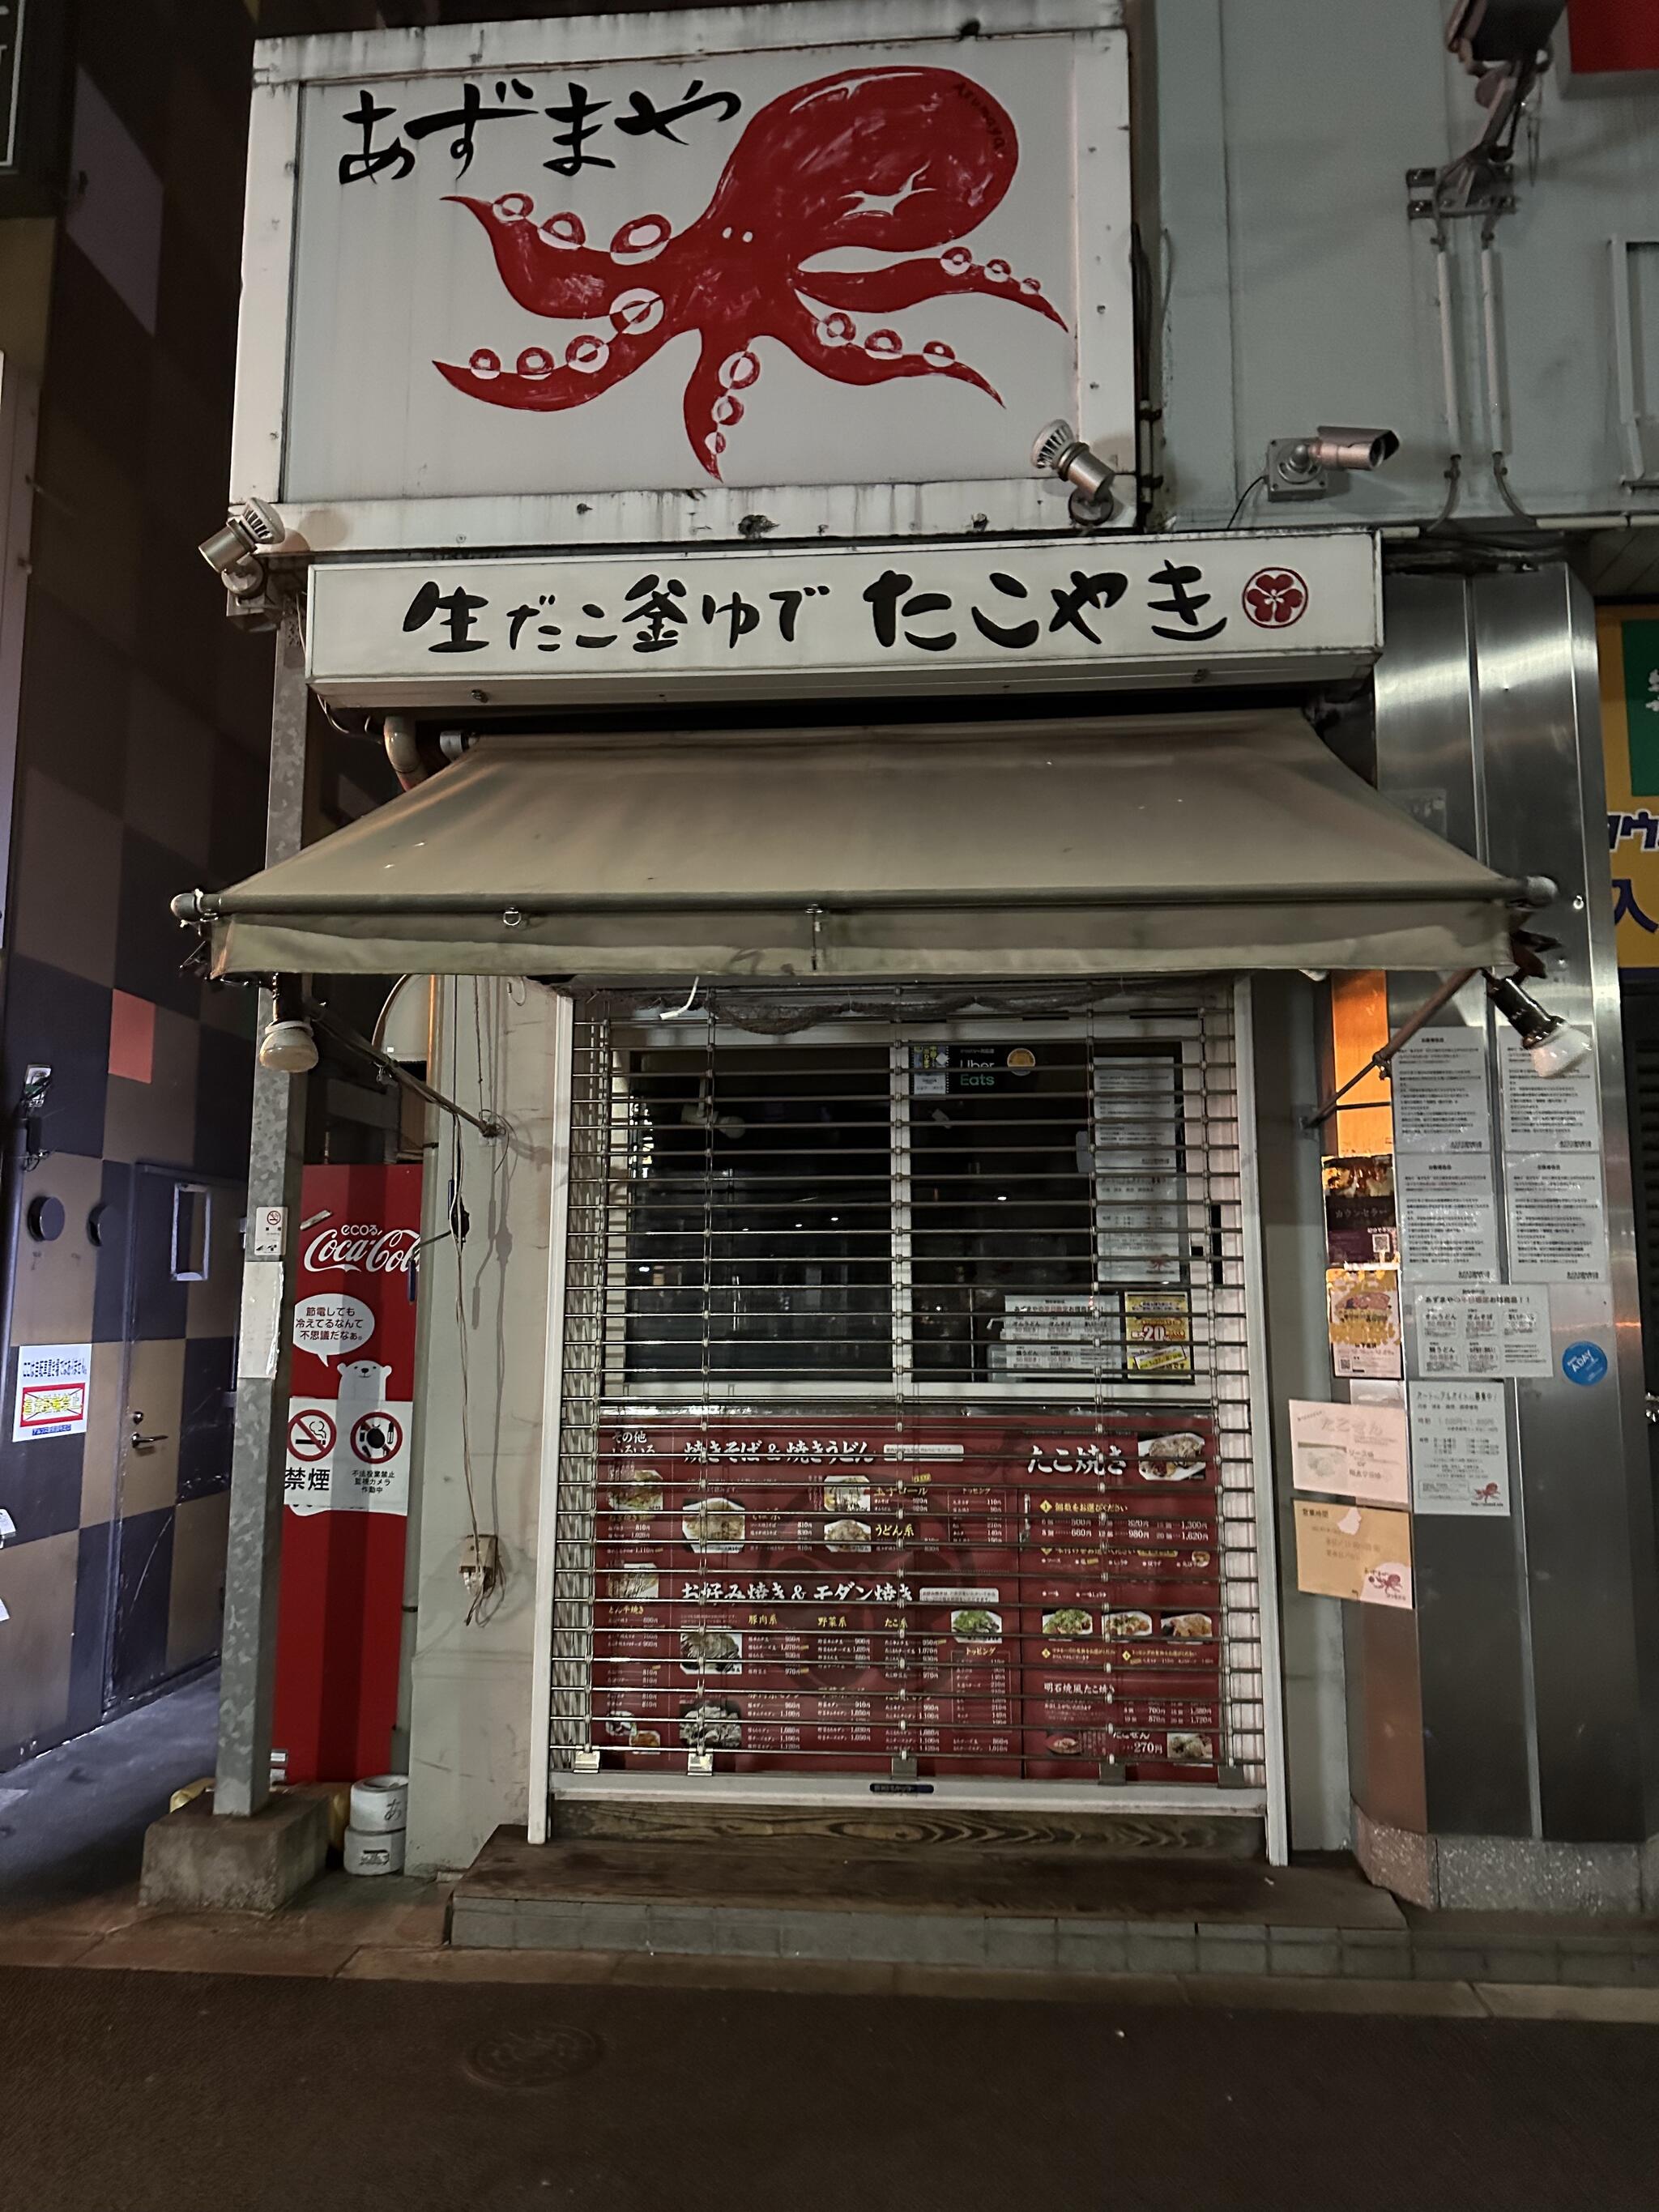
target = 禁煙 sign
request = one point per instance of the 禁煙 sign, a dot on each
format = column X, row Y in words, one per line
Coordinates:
column 845, row 618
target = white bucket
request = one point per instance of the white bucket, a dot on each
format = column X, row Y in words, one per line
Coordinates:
column 379, row 1852
column 380, row 1802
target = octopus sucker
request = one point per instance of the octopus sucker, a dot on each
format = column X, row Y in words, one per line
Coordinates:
column 830, row 165
column 591, row 364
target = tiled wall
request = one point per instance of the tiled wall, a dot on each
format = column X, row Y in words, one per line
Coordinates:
column 143, row 736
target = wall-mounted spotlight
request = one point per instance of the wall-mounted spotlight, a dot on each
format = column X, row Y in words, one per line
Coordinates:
column 287, row 1048
column 1302, row 468
column 1058, row 451
column 251, row 529
column 1552, row 1045
column 288, row 1045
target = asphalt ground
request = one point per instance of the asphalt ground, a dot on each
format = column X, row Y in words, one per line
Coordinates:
column 123, row 2092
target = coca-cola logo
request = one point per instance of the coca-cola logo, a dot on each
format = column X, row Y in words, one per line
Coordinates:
column 361, row 1247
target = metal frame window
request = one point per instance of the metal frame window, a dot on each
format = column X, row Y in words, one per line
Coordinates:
column 1093, row 1199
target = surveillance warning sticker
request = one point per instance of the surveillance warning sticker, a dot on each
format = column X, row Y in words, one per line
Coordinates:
column 54, row 1382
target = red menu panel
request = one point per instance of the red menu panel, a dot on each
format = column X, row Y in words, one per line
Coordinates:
column 985, row 1593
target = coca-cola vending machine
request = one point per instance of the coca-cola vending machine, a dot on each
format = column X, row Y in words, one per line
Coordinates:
column 346, row 1510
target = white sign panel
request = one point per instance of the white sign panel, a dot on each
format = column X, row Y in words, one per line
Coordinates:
column 529, row 261
column 350, row 1453
column 1448, row 1214
column 1557, row 1220
column 1350, row 1451
column 1482, row 1332
column 1548, row 1114
column 1460, row 1448
column 1439, row 1089
column 54, row 1384
column 838, row 618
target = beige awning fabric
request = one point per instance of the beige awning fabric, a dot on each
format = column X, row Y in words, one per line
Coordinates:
column 1167, row 844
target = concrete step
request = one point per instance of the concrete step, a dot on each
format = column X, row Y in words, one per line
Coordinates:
column 1048, row 1907
column 903, row 1824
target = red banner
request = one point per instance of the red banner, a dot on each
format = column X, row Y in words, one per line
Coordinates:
column 1612, row 38
column 346, row 1494
column 987, row 1593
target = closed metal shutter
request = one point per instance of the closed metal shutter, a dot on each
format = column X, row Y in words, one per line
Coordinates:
column 906, row 1392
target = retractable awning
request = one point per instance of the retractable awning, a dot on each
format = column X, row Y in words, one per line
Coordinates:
column 1166, row 844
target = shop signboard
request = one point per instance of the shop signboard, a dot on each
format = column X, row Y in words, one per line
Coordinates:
column 1628, row 642
column 643, row 277
column 346, row 1491
column 986, row 1593
column 1041, row 612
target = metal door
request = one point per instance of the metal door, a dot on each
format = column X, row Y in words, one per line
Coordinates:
column 183, row 1285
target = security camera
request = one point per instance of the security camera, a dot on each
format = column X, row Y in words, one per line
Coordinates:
column 251, row 529
column 1058, row 451
column 1302, row 468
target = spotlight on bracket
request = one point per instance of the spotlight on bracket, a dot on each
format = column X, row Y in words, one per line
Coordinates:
column 287, row 1048
column 1553, row 1045
column 288, row 1045
column 251, row 530
column 1059, row 451
column 1302, row 468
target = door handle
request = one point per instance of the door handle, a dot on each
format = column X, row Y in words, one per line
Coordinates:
column 141, row 1444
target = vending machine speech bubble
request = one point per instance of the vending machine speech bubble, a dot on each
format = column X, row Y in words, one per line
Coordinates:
column 331, row 1326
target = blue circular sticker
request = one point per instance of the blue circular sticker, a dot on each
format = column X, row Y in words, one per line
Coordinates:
column 1584, row 1364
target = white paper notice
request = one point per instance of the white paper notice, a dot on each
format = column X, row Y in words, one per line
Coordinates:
column 1350, row 1451
column 1558, row 1223
column 1448, row 1215
column 1460, row 1448
column 1548, row 1114
column 262, row 1314
column 1481, row 1331
column 1439, row 1083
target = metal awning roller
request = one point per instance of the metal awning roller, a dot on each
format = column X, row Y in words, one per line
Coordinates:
column 1168, row 844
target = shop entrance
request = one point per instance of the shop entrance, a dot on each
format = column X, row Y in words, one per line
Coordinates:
column 906, row 1413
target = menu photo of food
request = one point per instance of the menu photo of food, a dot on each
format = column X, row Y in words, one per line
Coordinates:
column 976, row 1626
column 1178, row 1456
column 1183, row 1747
column 712, row 1724
column 847, row 1494
column 706, row 1649
column 1189, row 1628
column 634, row 1580
column 1129, row 1622
column 1066, row 1621
column 715, row 1524
column 637, row 1491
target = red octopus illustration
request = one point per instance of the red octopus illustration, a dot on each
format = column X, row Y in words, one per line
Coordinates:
column 903, row 161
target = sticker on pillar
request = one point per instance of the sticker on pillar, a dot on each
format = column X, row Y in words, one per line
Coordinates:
column 53, row 1383
column 1584, row 1364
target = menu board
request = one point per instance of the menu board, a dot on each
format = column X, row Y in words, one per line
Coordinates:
column 983, row 1593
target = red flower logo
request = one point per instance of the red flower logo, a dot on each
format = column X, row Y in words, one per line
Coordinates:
column 1275, row 598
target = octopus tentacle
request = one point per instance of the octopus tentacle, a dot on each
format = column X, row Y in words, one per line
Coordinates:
column 869, row 363
column 549, row 278
column 904, row 284
column 592, row 365
column 725, row 370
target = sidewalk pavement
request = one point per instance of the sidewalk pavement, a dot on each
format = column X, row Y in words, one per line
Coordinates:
column 393, row 1928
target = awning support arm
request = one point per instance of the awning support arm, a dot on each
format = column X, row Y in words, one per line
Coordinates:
column 343, row 1033
column 1379, row 1062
